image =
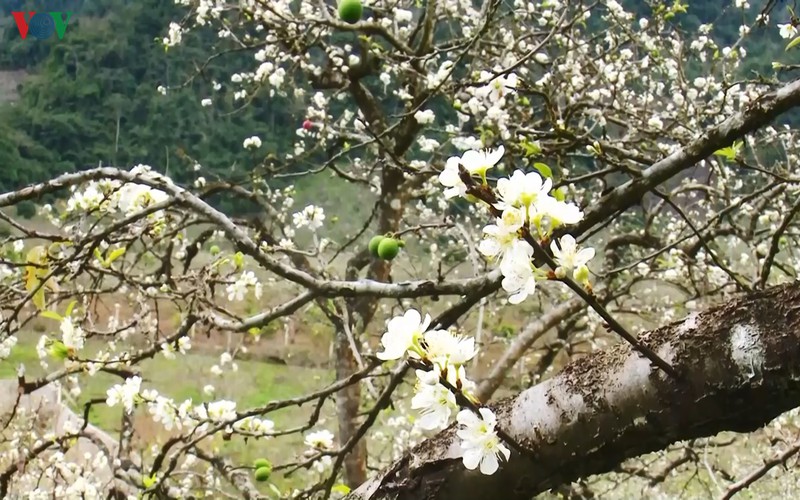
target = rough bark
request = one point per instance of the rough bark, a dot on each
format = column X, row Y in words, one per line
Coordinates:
column 739, row 366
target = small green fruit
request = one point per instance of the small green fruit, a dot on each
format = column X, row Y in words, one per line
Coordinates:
column 350, row 11
column 214, row 250
column 262, row 473
column 373, row 244
column 261, row 462
column 388, row 249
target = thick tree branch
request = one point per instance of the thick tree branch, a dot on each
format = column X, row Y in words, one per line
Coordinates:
column 740, row 367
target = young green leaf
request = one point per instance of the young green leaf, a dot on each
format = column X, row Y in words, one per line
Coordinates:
column 544, row 170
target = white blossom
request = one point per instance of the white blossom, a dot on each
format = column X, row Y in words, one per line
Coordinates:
column 312, row 217
column 433, row 400
column 125, row 394
column 253, row 142
column 568, row 256
column 474, row 162
column 479, row 441
column 320, row 440
column 403, row 333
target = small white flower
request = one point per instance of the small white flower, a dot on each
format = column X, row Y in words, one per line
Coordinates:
column 184, row 344
column 553, row 213
column 497, row 88
column 252, row 142
column 655, row 122
column 479, row 441
column 450, row 178
column 524, row 190
column 6, row 345
column 205, row 102
column 568, row 257
column 787, row 30
column 320, row 440
column 500, row 237
column 72, row 336
column 239, row 288
column 479, row 162
column 433, row 400
column 444, row 349
column 402, row 333
column 311, row 216
column 518, row 273
column 425, row 117
column 474, row 162
column 220, row 411
column 125, row 394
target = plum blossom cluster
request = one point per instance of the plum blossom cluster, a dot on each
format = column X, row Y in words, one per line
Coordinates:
column 526, row 207
column 237, row 291
column 312, row 217
column 444, row 354
column 115, row 197
column 174, row 415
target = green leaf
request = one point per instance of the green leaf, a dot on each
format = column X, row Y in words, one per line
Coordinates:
column 793, row 43
column 38, row 299
column 51, row 315
column 341, row 488
column 731, row 152
column 543, row 169
column 98, row 255
column 148, row 482
column 70, row 307
column 119, row 252
column 531, row 148
column 238, row 260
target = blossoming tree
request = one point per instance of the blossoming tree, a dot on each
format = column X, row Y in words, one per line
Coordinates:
column 593, row 173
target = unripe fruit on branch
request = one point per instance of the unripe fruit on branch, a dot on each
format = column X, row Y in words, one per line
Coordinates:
column 373, row 244
column 350, row 11
column 261, row 462
column 263, row 473
column 388, row 248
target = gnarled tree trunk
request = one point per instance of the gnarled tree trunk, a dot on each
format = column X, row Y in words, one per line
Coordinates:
column 739, row 365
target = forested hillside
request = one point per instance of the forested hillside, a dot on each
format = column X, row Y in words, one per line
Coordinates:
column 92, row 97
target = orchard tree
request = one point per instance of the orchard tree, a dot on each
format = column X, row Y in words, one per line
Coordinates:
column 547, row 181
